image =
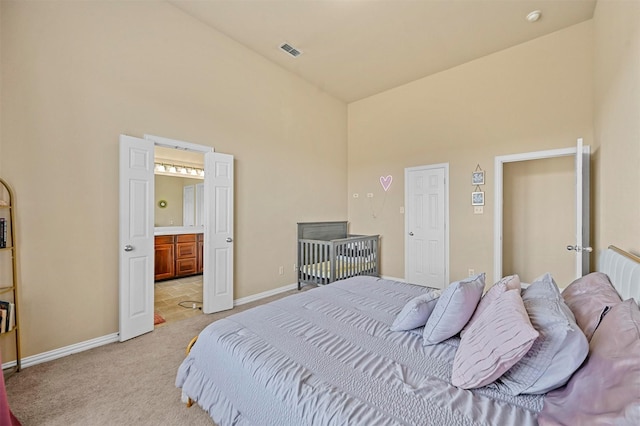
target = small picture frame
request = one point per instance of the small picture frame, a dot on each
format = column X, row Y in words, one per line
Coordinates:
column 477, row 198
column 477, row 178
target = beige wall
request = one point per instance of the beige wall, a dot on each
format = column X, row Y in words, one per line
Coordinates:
column 539, row 219
column 532, row 97
column 617, row 123
column 75, row 75
column 171, row 189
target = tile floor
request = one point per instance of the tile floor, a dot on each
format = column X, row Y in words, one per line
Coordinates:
column 169, row 295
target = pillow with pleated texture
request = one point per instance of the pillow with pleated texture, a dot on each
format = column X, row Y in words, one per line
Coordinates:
column 589, row 298
column 559, row 350
column 496, row 340
column 416, row 311
column 511, row 282
column 453, row 310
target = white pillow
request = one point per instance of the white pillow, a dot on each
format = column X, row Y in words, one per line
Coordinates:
column 453, row 309
column 416, row 312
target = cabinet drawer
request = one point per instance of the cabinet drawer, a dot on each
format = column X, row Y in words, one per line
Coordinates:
column 185, row 250
column 164, row 239
column 186, row 266
column 186, row 238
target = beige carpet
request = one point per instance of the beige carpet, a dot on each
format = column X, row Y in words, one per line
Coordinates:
column 130, row 383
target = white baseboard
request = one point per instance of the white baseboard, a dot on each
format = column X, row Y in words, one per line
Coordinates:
column 402, row 280
column 264, row 294
column 62, row 352
column 114, row 337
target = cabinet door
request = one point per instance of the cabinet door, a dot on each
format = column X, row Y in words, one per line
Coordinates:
column 164, row 262
column 200, row 256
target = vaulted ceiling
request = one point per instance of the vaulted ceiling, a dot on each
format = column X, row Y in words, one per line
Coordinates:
column 353, row 49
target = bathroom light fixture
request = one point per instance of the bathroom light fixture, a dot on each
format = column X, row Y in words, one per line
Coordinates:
column 179, row 169
column 534, row 15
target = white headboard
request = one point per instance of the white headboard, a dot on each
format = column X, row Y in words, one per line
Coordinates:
column 623, row 270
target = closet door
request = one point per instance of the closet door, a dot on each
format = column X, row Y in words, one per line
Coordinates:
column 188, row 205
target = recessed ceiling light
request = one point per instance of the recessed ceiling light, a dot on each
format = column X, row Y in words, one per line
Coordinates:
column 534, row 16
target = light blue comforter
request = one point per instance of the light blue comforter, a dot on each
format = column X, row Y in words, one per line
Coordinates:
column 327, row 357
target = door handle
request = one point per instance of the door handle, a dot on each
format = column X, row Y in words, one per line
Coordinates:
column 229, row 239
column 128, row 247
column 579, row 249
column 411, row 234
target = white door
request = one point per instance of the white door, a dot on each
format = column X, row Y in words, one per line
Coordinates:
column 426, row 226
column 136, row 237
column 581, row 247
column 218, row 238
column 188, row 205
column 199, row 204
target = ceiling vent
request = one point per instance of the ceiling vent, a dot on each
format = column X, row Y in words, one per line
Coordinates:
column 287, row 48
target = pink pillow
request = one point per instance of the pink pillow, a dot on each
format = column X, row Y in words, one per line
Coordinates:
column 497, row 340
column 589, row 298
column 606, row 389
column 512, row 282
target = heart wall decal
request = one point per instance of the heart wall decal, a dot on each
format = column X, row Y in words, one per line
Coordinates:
column 385, row 181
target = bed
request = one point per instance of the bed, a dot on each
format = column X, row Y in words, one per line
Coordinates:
column 327, row 356
column 328, row 253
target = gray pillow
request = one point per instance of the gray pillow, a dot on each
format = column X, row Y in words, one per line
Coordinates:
column 416, row 311
column 559, row 350
column 453, row 309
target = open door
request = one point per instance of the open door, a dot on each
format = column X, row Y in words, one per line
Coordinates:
column 217, row 293
column 136, row 237
column 581, row 247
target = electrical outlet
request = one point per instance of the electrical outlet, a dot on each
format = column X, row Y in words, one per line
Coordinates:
column 356, row 195
column 369, row 194
column 281, row 270
column 471, row 272
column 401, row 210
column 295, row 267
column 478, row 210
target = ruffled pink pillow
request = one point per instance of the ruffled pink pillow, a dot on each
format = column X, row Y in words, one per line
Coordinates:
column 512, row 282
column 496, row 341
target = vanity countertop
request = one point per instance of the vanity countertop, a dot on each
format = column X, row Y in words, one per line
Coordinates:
column 177, row 230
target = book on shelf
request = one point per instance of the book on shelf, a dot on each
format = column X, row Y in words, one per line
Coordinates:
column 7, row 316
column 3, row 232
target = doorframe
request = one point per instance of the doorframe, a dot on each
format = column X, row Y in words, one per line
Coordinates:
column 444, row 166
column 499, row 196
column 192, row 147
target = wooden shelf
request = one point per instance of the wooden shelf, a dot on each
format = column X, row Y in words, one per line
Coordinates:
column 10, row 292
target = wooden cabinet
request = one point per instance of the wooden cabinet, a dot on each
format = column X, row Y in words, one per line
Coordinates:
column 178, row 255
column 164, row 257
column 186, row 258
column 200, row 253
